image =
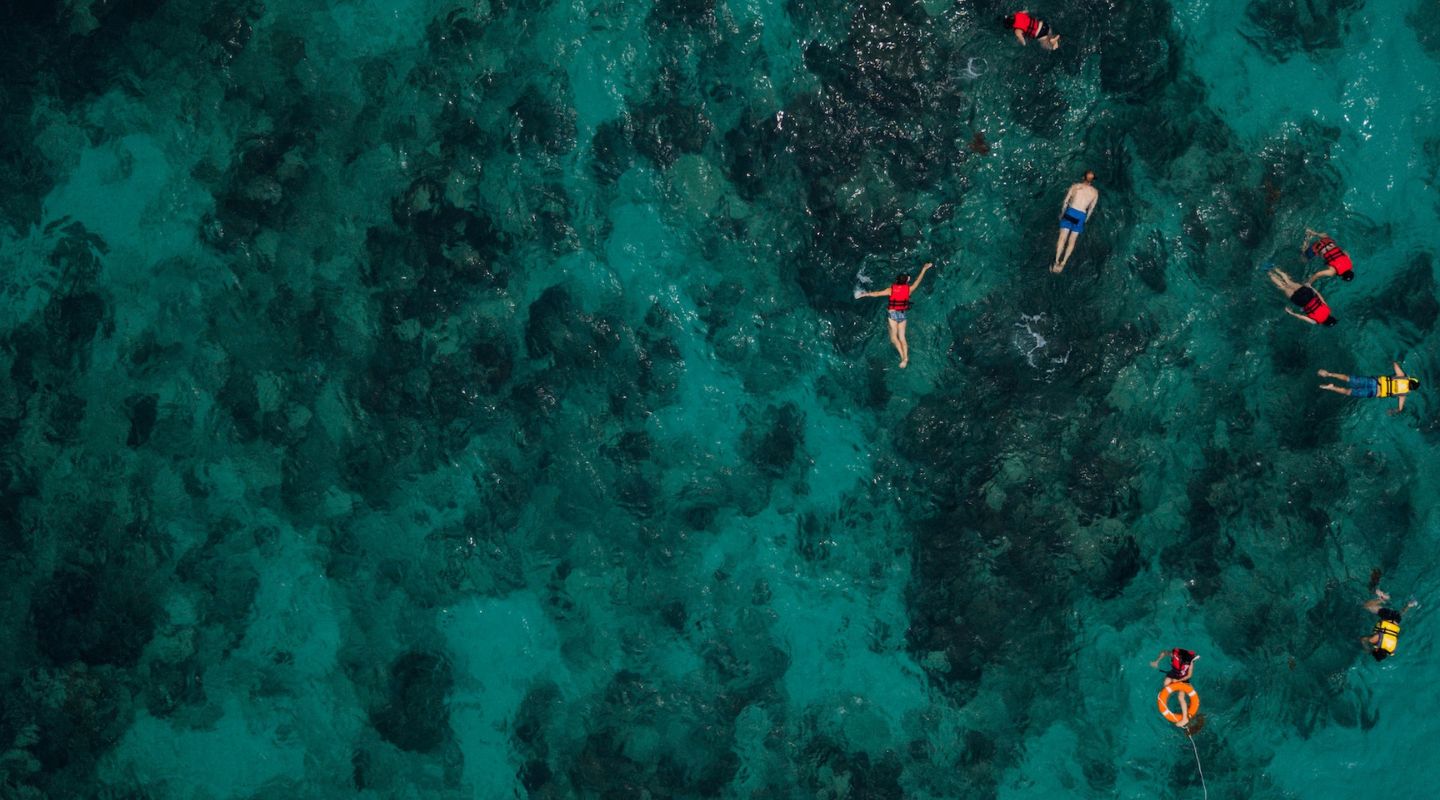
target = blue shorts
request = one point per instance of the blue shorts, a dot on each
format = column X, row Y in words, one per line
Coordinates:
column 897, row 316
column 1364, row 387
column 1073, row 220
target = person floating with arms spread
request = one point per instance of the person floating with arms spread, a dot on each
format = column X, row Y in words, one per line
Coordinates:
column 899, row 305
column 1026, row 26
column 1182, row 664
column 1078, row 206
column 1311, row 303
column 1337, row 261
column 1379, row 386
column 1382, row 640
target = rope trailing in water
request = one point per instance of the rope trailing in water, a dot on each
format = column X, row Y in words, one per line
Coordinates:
column 1193, row 749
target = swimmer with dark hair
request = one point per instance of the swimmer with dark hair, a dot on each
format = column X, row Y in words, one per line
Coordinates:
column 1182, row 664
column 1382, row 386
column 1079, row 204
column 1313, row 307
column 1385, row 636
column 898, row 307
column 1337, row 261
column 1028, row 27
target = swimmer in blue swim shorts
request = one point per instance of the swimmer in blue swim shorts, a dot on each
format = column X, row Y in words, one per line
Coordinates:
column 1078, row 206
column 1397, row 386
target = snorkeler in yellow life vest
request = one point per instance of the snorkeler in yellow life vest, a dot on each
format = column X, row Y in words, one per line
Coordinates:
column 1388, row 631
column 1387, row 386
column 1385, row 636
column 1398, row 386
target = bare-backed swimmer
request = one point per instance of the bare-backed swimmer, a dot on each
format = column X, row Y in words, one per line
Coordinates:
column 1079, row 204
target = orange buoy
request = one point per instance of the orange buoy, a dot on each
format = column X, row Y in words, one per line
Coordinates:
column 1163, row 701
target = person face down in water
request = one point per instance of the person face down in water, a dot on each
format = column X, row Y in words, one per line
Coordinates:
column 898, row 308
column 1312, row 305
column 1027, row 26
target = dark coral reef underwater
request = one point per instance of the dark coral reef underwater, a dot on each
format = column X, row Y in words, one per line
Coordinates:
column 381, row 324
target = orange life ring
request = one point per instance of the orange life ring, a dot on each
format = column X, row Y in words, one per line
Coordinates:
column 1162, row 701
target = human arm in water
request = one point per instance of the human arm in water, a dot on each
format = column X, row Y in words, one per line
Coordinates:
column 920, row 277
column 1156, row 663
column 1328, row 271
column 881, row 293
column 1065, row 204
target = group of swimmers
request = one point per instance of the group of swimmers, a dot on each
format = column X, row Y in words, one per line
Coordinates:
column 1381, row 643
column 1077, row 208
column 1315, row 311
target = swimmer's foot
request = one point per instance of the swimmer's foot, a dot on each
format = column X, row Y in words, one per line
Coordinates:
column 1324, row 373
column 904, row 363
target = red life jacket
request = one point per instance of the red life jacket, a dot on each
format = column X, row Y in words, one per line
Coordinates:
column 900, row 297
column 1027, row 23
column 1316, row 309
column 1182, row 667
column 1333, row 255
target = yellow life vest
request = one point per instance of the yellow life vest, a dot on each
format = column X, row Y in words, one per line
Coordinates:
column 1392, row 387
column 1389, row 633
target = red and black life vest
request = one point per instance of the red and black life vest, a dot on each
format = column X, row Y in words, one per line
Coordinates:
column 1024, row 22
column 1182, row 666
column 900, row 297
column 1328, row 250
column 1316, row 309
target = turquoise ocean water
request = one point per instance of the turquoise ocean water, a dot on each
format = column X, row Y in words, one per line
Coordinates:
column 420, row 398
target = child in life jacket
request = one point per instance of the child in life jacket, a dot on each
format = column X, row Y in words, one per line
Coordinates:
column 1182, row 664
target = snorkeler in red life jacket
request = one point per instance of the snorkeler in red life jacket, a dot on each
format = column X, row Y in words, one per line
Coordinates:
column 1028, row 27
column 1313, row 308
column 1337, row 261
column 896, row 308
column 899, row 297
column 1182, row 664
